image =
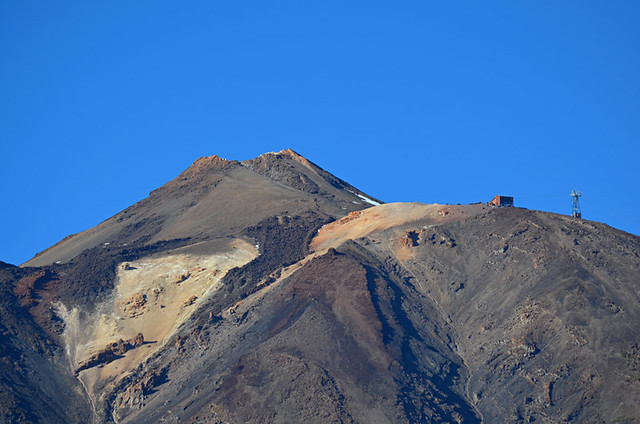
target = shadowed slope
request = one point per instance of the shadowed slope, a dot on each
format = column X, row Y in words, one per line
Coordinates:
column 338, row 341
column 397, row 313
column 544, row 310
column 35, row 383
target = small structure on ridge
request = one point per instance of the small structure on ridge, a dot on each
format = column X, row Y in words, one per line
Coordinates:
column 575, row 210
column 502, row 201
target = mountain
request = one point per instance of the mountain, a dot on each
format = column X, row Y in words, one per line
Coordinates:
column 269, row 290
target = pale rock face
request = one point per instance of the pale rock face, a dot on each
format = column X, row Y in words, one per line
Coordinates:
column 152, row 296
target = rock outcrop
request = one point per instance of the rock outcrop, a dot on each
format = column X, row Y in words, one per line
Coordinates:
column 111, row 352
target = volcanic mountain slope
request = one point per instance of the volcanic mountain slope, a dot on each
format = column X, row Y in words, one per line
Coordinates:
column 216, row 198
column 271, row 291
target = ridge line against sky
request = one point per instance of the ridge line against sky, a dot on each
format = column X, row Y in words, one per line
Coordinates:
column 438, row 103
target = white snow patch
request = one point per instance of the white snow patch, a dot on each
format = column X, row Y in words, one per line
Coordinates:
column 366, row 199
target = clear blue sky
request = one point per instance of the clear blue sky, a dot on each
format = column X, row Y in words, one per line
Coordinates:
column 430, row 101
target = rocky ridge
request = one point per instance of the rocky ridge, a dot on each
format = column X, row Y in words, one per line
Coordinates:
column 279, row 293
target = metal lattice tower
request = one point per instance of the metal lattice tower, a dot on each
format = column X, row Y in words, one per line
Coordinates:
column 575, row 211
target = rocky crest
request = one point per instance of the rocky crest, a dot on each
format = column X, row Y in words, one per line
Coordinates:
column 287, row 295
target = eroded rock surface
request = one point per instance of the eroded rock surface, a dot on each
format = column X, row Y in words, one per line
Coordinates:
column 111, row 352
column 271, row 291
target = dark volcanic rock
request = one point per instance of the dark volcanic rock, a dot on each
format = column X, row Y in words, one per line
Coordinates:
column 542, row 321
column 469, row 314
column 36, row 384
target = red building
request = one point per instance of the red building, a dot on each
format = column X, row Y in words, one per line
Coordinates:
column 502, row 201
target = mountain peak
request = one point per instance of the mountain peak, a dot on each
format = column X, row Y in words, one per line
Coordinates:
column 238, row 288
column 292, row 154
column 210, row 160
column 215, row 196
column 298, row 157
column 207, row 163
column 287, row 153
column 217, row 163
column 284, row 152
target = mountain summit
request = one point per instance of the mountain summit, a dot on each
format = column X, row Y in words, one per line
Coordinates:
column 215, row 198
column 269, row 290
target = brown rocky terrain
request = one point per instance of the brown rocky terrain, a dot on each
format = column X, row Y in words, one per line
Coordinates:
column 271, row 291
column 111, row 352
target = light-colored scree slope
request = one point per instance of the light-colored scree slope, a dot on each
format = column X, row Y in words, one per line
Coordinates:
column 153, row 296
column 378, row 218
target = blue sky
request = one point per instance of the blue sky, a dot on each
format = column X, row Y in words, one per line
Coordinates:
column 437, row 102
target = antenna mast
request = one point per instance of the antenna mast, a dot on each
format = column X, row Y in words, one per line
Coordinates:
column 575, row 211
